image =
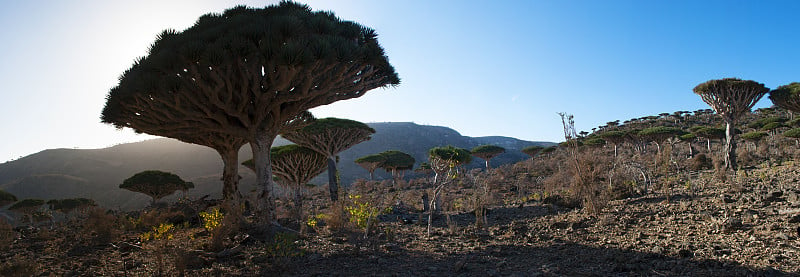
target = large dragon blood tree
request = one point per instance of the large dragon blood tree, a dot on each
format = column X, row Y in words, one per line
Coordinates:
column 239, row 76
column 731, row 98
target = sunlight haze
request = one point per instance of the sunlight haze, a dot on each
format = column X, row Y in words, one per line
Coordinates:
column 483, row 68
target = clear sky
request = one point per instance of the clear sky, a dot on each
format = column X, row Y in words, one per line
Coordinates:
column 480, row 67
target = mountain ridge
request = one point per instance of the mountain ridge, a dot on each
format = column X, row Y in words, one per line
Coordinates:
column 96, row 173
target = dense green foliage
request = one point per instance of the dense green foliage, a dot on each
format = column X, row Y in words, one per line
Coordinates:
column 487, row 149
column 787, row 97
column 594, row 142
column 532, row 150
column 26, row 204
column 754, row 135
column 324, row 124
column 6, row 198
column 279, row 152
column 452, row 154
column 793, row 133
column 156, row 184
column 660, row 130
column 67, row 205
column 373, row 158
column 708, row 132
column 396, row 160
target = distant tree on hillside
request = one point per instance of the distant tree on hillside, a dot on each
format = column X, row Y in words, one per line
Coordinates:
column 731, row 98
column 754, row 137
column 68, row 205
column 708, row 133
column 689, row 138
column 594, row 142
column 487, row 152
column 424, row 168
column 787, row 97
column 370, row 163
column 445, row 162
column 795, row 134
column 27, row 207
column 156, row 184
column 396, row 163
column 331, row 136
column 614, row 137
column 245, row 72
column 6, row 198
column 659, row 134
column 772, row 127
column 532, row 150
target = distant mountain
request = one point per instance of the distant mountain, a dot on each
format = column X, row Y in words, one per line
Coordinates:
column 96, row 173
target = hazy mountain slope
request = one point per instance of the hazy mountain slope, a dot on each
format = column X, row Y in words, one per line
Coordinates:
column 96, row 173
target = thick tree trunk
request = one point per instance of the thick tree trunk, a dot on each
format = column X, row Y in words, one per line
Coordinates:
column 487, row 165
column 230, row 173
column 264, row 206
column 708, row 145
column 615, row 150
column 730, row 145
column 691, row 151
column 333, row 184
column 371, row 175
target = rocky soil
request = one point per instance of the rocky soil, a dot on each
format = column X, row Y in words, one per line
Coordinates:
column 707, row 228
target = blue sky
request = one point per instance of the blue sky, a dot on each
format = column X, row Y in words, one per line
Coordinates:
column 480, row 67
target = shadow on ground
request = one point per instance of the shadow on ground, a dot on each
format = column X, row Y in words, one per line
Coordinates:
column 557, row 259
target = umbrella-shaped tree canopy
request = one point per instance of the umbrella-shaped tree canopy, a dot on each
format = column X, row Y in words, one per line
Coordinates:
column 6, row 198
column 487, row 152
column 156, row 184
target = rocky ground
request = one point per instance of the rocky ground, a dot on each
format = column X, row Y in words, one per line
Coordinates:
column 706, row 228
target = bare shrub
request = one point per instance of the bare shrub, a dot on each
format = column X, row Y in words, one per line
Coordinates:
column 100, row 226
column 7, row 235
column 19, row 266
column 700, row 162
column 336, row 218
column 589, row 180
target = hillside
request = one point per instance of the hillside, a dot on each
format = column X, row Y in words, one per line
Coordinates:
column 96, row 173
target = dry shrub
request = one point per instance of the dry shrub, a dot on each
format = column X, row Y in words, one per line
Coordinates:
column 700, row 162
column 336, row 218
column 590, row 181
column 747, row 158
column 149, row 218
column 7, row 235
column 720, row 172
column 19, row 266
column 584, row 175
column 100, row 226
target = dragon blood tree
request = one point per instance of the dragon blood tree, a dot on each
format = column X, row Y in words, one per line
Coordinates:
column 156, row 184
column 487, row 152
column 6, row 198
column 242, row 74
column 370, row 163
column 787, row 97
column 532, row 150
column 444, row 162
column 396, row 162
column 27, row 207
column 294, row 166
column 731, row 98
column 330, row 136
column 615, row 137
